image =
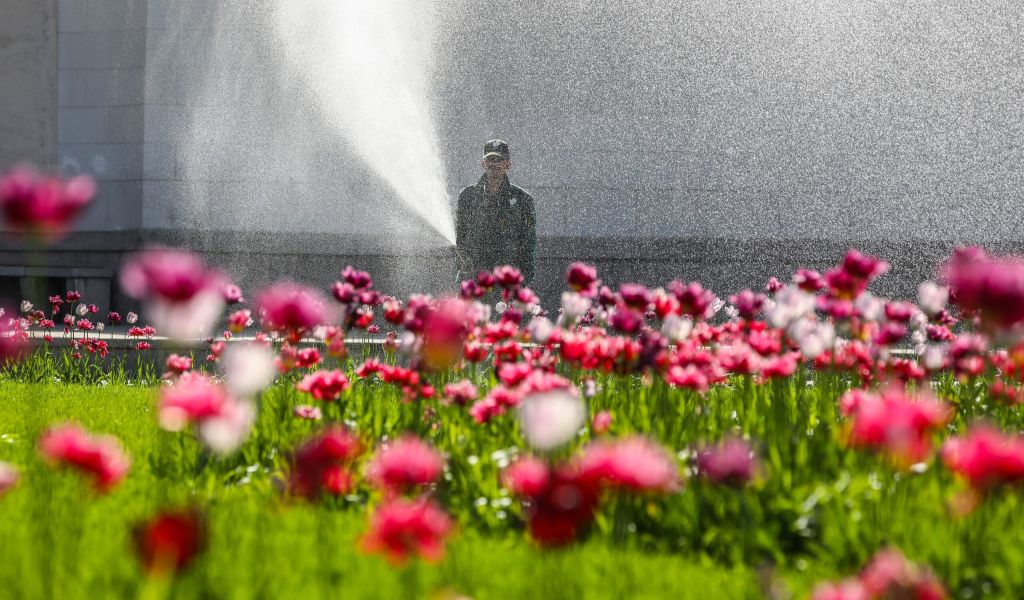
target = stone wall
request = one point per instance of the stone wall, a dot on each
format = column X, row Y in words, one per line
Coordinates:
column 101, row 69
column 28, row 72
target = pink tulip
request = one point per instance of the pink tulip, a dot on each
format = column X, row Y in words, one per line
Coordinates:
column 8, row 478
column 461, row 392
column 43, row 206
column 986, row 458
column 896, row 423
column 326, row 386
column 993, row 287
column 601, row 422
column 292, row 310
column 405, row 464
column 308, row 413
column 731, row 462
column 633, row 463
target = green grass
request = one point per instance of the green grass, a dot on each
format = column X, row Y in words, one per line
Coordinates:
column 818, row 511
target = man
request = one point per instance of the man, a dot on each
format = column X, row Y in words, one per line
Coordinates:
column 495, row 223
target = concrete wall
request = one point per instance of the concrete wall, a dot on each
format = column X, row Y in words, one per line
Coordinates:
column 28, row 82
column 101, row 71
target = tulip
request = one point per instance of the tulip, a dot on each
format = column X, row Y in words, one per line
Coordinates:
column 321, row 464
column 8, row 478
column 308, row 413
column 601, row 422
column 582, row 278
column 182, row 295
column 169, row 541
column 401, row 529
column 292, row 310
column 549, row 419
column 634, row 463
column 895, row 423
column 461, row 392
column 326, row 386
column 731, row 462
column 45, row 207
column 405, row 464
column 560, row 501
column 100, row 457
column 986, row 458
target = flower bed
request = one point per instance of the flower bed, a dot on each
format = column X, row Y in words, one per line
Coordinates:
column 783, row 438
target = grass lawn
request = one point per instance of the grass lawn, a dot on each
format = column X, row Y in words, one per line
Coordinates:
column 817, row 511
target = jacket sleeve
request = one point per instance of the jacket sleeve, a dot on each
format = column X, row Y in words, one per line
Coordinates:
column 530, row 243
column 461, row 232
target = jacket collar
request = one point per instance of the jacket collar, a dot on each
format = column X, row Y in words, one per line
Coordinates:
column 506, row 187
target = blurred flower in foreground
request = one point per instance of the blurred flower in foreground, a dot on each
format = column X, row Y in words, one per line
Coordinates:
column 222, row 422
column 13, row 339
column 899, row 424
column 169, row 541
column 992, row 287
column 401, row 529
column 582, row 278
column 551, row 418
column 100, row 457
column 986, row 458
column 889, row 575
column 559, row 502
column 8, row 477
column 248, row 369
column 634, row 464
column 45, row 207
column 292, row 310
column 182, row 296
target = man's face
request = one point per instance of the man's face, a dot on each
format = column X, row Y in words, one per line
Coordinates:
column 496, row 166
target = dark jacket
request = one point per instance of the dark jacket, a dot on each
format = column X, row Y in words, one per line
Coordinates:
column 492, row 231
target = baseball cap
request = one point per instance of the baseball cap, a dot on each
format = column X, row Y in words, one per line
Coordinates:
column 496, row 147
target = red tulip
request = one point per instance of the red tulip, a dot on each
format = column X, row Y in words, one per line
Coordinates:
column 100, row 457
column 560, row 502
column 322, row 463
column 401, row 529
column 170, row 541
column 582, row 278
